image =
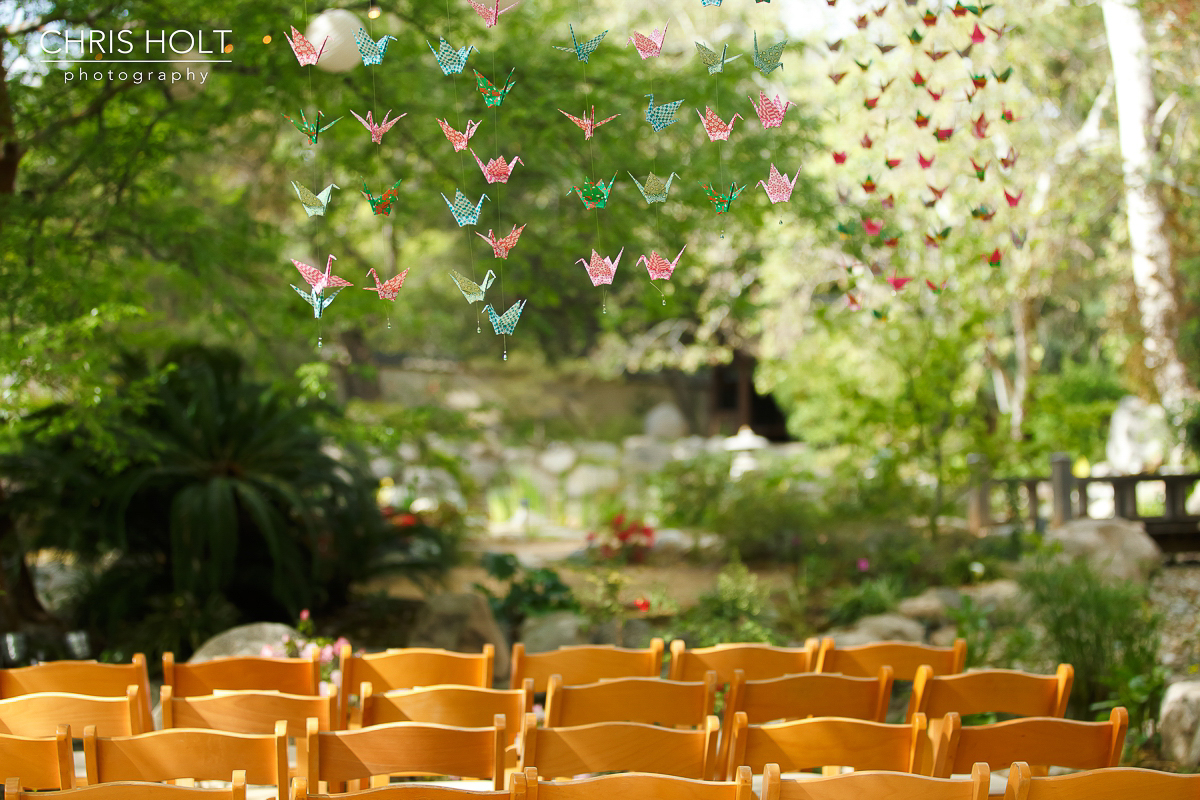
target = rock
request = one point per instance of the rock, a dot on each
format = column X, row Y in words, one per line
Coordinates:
column 556, row 459
column 462, row 622
column 932, row 605
column 672, row 541
column 1139, row 438
column 1003, row 594
column 599, row 452
column 1179, row 724
column 889, row 628
column 607, row 632
column 665, row 421
column 643, row 454
column 244, row 640
column 587, row 479
column 944, row 636
column 463, row 400
column 688, row 448
column 382, row 467
column 552, row 631
column 637, row 632
column 1118, row 548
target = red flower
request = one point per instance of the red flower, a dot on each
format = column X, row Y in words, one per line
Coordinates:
column 406, row 520
column 641, row 604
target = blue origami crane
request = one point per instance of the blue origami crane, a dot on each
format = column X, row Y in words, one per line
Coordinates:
column 662, row 116
column 506, row 322
column 372, row 52
column 450, row 60
column 582, row 50
column 465, row 213
column 767, row 60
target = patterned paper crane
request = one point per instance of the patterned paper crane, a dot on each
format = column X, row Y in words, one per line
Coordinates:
column 378, row 129
column 770, row 112
column 721, row 202
column 588, row 123
column 491, row 95
column 601, row 270
column 382, row 205
column 717, row 130
column 464, row 213
column 372, row 52
column 319, row 282
column 659, row 268
column 505, row 323
column 582, row 51
column 311, row 129
column 306, row 54
column 662, row 116
column 496, row 171
column 502, row 247
column 594, row 195
column 314, row 204
column 389, row 289
column 649, row 46
column 450, row 60
column 655, row 189
column 472, row 291
column 715, row 63
column 490, row 14
column 459, row 140
column 778, row 189
column 767, row 60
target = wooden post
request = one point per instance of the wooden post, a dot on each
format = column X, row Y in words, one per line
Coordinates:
column 979, row 512
column 1062, row 482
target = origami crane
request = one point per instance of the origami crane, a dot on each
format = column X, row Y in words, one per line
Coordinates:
column 311, row 130
column 1018, row 237
column 853, row 303
column 717, row 130
column 770, row 112
column 464, row 213
column 1002, row 77
column 936, row 288
column 319, row 283
column 659, row 268
column 490, row 14
column 966, row 51
column 839, row 158
column 983, row 212
column 459, row 140
column 980, row 170
column 496, row 171
column 450, row 60
column 872, row 227
column 979, row 81
column 378, row 130
column 994, row 258
column 836, row 77
column 707, row 3
column 491, row 95
column 390, row 289
column 582, row 51
column 655, row 190
column 834, row 46
column 314, row 204
column 662, row 116
column 918, row 79
column 715, row 63
column 869, row 185
column 921, row 120
column 502, row 247
column 869, row 103
column 1013, row 199
column 1010, row 160
column 506, row 322
column 915, row 36
column 594, row 195
column 306, row 54
column 934, row 96
column 943, row 134
column 893, row 162
column 471, row 290
column 979, row 126
column 777, row 187
column 937, row 193
column 884, row 49
column 601, row 270
column 936, row 55
column 929, row 18
column 767, row 60
column 372, row 52
column 897, row 282
column 649, row 46
column 1007, row 115
column 382, row 205
column 588, row 124
column 721, row 202
column 977, row 36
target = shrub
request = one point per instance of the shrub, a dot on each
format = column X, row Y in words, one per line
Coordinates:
column 737, row 610
column 529, row 592
column 873, row 596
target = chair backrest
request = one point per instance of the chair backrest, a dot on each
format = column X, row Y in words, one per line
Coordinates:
column 1004, row 691
column 82, row 677
column 1044, row 741
column 418, row 790
column 642, row 785
column 458, row 706
column 1112, row 783
column 240, row 711
column 410, row 667
column 619, row 747
column 826, row 742
column 340, row 756
column 38, row 762
column 169, row 755
column 287, row 675
column 758, row 661
column 585, row 664
column 905, row 658
column 650, row 700
column 872, row 784
column 126, row 790
column 41, row 713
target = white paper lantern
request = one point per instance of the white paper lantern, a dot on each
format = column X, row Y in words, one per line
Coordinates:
column 341, row 52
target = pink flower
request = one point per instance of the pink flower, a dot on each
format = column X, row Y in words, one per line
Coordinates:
column 267, row 651
column 863, row 565
column 304, row 615
column 335, row 677
column 327, row 654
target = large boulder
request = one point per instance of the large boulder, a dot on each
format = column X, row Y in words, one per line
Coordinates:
column 879, row 628
column 244, row 640
column 644, row 454
column 554, row 630
column 931, row 606
column 587, row 479
column 1179, row 724
column 666, row 421
column 1119, row 548
column 463, row 623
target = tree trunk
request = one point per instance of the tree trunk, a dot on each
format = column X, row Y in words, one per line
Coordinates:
column 1152, row 274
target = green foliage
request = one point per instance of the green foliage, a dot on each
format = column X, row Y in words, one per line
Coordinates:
column 1070, row 412
column 848, row 604
column 738, row 609
column 529, row 591
column 690, row 490
column 993, row 639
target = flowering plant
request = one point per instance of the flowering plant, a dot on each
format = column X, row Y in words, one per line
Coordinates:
column 625, row 540
column 304, row 645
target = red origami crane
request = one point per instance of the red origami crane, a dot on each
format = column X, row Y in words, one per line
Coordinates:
column 872, row 227
column 896, row 281
column 378, row 130
column 459, row 140
column 1013, row 199
column 501, row 247
column 649, row 46
column 839, row 158
column 496, row 170
column 925, row 163
column 389, row 289
column 770, row 112
column 601, row 270
column 977, row 35
column 994, row 258
column 778, row 189
column 866, row 141
column 979, row 126
column 659, row 268
column 318, row 281
column 490, row 14
column 588, row 124
column 717, row 130
column 306, row 54
column 943, row 134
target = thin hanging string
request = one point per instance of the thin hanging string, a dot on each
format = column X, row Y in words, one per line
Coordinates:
column 375, row 120
column 462, row 168
column 717, row 109
column 316, row 176
column 499, row 189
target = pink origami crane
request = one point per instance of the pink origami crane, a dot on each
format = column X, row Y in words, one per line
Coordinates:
column 459, row 140
column 659, row 268
column 1013, row 199
column 872, row 227
column 601, row 270
column 490, row 14
column 979, row 126
column 501, row 247
column 496, row 170
column 588, row 124
column 649, row 46
column 320, row 282
column 777, row 186
column 377, row 131
column 306, row 54
column 897, row 282
column 770, row 113
column 389, row 289
column 717, row 130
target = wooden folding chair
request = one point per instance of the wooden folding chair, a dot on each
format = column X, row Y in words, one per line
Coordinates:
column 41, row 713
column 135, row 791
column 82, row 677
column 641, row 785
column 1044, row 741
column 872, row 784
column 619, row 747
column 758, row 661
column 245, row 711
column 905, row 658
column 1112, row 783
column 825, row 742
column 287, row 675
column 37, row 762
column 409, row 667
column 417, row 790
column 585, row 664
column 654, row 701
column 188, row 753
column 374, row 753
